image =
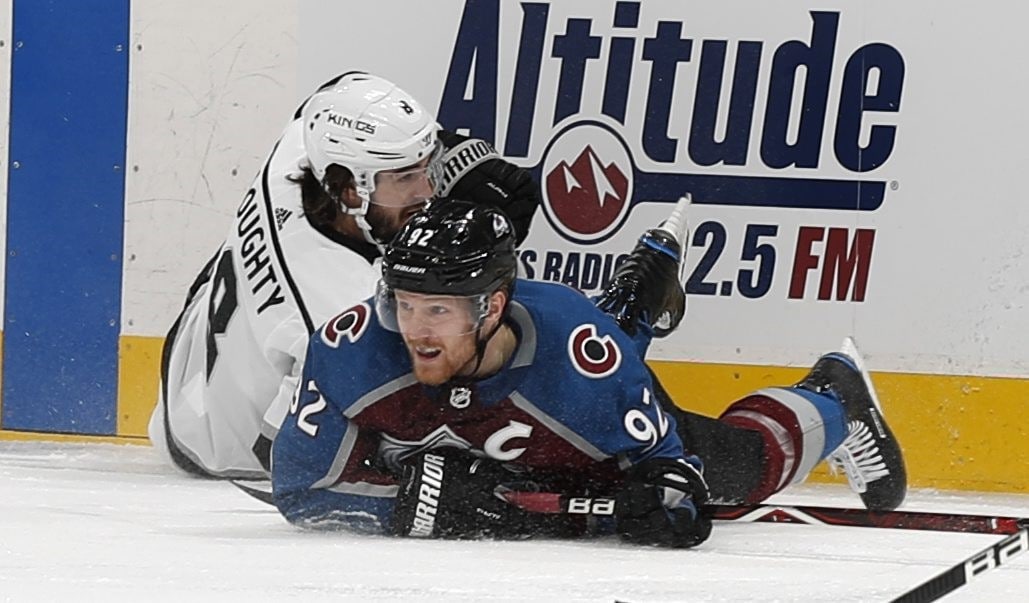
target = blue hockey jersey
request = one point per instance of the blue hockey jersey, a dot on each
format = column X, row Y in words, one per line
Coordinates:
column 575, row 399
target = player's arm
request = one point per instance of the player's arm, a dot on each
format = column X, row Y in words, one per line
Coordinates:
column 661, row 499
column 474, row 171
column 441, row 494
column 322, row 475
column 285, row 347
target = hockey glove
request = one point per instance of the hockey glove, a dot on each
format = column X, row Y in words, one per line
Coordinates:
column 660, row 505
column 444, row 494
column 473, row 171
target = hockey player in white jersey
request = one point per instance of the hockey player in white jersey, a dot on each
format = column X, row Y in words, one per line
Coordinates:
column 358, row 159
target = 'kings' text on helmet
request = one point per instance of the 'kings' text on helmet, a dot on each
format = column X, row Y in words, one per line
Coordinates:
column 366, row 124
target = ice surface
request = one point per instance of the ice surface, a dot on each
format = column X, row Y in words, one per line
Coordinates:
column 100, row 522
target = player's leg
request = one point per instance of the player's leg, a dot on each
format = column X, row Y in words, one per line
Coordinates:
column 733, row 456
column 158, row 429
column 157, row 434
column 833, row 414
column 870, row 456
column 166, row 447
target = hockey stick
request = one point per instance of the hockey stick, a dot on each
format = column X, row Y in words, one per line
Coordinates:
column 550, row 502
column 264, row 496
column 975, row 566
column 904, row 520
column 993, row 556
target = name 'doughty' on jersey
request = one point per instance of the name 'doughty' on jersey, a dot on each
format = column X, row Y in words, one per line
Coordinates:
column 252, row 229
column 591, row 66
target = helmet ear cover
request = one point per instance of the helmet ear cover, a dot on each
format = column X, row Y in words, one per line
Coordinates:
column 336, row 180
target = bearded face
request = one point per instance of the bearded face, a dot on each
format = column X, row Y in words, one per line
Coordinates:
column 440, row 333
column 398, row 195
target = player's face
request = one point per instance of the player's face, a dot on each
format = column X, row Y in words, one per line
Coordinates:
column 439, row 332
column 386, row 222
column 398, row 195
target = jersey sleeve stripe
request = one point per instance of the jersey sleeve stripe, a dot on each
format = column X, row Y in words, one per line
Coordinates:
column 346, row 447
column 365, row 489
column 274, row 234
column 573, row 438
column 526, row 352
column 378, row 394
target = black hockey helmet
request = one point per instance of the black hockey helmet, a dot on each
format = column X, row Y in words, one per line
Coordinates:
column 452, row 247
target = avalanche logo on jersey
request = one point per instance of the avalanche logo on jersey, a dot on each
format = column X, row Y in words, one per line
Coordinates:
column 394, row 451
column 350, row 324
column 593, row 356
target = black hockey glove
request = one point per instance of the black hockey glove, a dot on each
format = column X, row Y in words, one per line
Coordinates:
column 446, row 494
column 473, row 171
column 660, row 505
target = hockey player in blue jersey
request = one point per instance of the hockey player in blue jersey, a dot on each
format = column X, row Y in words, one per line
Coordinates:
column 420, row 412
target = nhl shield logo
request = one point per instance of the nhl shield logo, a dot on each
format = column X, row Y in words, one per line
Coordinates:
column 460, row 397
column 587, row 182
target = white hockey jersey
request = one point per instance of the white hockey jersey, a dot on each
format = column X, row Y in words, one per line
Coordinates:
column 233, row 358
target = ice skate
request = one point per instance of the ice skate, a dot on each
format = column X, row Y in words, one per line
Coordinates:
column 870, row 455
column 648, row 286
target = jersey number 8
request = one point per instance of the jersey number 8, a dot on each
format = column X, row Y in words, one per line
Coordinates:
column 221, row 307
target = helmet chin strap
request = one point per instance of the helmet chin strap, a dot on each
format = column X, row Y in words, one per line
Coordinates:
column 359, row 214
column 480, row 353
column 482, row 342
column 366, row 230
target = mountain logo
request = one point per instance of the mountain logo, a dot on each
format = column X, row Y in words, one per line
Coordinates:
column 587, row 182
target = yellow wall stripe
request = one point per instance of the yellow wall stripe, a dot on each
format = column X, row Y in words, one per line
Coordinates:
column 139, row 375
column 33, row 436
column 957, row 432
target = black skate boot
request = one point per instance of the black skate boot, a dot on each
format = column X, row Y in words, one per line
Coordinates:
column 647, row 285
column 870, row 455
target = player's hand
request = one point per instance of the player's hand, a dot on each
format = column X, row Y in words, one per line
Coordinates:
column 660, row 505
column 494, row 181
column 450, row 494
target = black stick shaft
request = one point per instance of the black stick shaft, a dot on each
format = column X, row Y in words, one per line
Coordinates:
column 968, row 570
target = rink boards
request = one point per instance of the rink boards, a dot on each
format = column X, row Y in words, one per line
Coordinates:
column 854, row 171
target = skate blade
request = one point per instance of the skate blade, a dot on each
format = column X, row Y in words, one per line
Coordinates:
column 849, row 349
column 677, row 224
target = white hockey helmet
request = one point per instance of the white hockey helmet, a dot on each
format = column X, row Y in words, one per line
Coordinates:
column 367, row 124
